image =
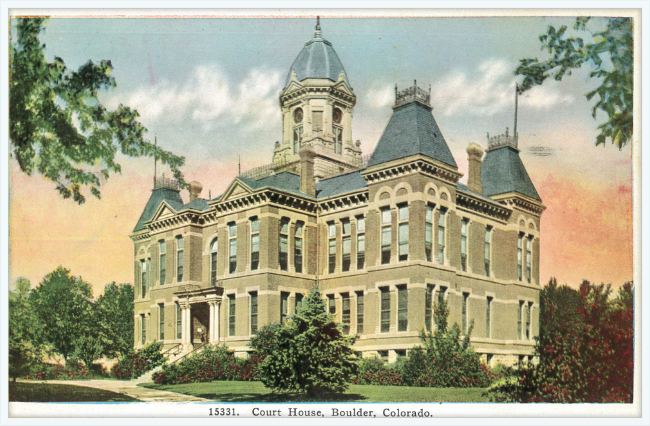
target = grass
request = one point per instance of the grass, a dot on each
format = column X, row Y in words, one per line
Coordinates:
column 49, row 392
column 256, row 392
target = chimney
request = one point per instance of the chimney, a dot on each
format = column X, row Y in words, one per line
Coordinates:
column 474, row 155
column 307, row 155
column 195, row 190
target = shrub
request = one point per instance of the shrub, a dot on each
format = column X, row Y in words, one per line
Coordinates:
column 211, row 363
column 135, row 364
column 382, row 378
column 446, row 360
column 588, row 356
column 73, row 370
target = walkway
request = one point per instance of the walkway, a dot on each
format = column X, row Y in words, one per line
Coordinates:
column 130, row 388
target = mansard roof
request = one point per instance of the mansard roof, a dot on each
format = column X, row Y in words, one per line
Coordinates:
column 340, row 184
column 284, row 181
column 412, row 130
column 171, row 196
column 503, row 171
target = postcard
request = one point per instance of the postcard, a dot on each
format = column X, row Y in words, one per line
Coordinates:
column 318, row 214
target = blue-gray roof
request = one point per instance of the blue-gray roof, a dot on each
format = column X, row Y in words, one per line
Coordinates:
column 199, row 204
column 285, row 181
column 502, row 171
column 317, row 60
column 340, row 184
column 172, row 197
column 412, row 130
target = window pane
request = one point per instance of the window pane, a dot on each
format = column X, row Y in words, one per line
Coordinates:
column 488, row 314
column 385, row 310
column 402, row 308
column 428, row 305
column 284, row 306
column 360, row 312
column 253, row 312
column 361, row 251
column 464, row 312
column 161, row 321
column 346, row 226
column 345, row 312
column 403, row 241
column 179, row 322
column 255, row 225
column 404, row 213
column 231, row 315
column 385, row 216
column 361, row 224
column 332, row 230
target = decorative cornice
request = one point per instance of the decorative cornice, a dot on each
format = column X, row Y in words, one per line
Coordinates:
column 191, row 217
column 522, row 202
column 316, row 90
column 344, row 201
column 380, row 173
column 489, row 208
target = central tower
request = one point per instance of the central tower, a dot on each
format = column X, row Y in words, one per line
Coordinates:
column 317, row 103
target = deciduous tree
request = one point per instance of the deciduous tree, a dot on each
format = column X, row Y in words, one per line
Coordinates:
column 57, row 126
column 610, row 52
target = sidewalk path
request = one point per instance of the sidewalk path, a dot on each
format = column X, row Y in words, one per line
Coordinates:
column 128, row 387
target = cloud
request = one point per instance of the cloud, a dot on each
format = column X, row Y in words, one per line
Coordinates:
column 209, row 99
column 381, row 97
column 490, row 91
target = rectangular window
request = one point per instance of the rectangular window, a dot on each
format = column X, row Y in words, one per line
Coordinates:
column 143, row 330
column 359, row 312
column 231, row 315
column 162, row 271
column 441, row 236
column 161, row 320
column 402, row 308
column 385, row 309
column 338, row 135
column 428, row 233
column 529, row 254
column 143, row 278
column 298, row 303
column 179, row 322
column 255, row 243
column 345, row 311
column 488, row 316
column 463, row 245
column 464, row 312
column 346, row 246
column 520, row 243
column 297, row 247
column 528, row 309
column 213, row 263
column 332, row 247
column 488, row 241
column 385, row 235
column 519, row 316
column 253, row 295
column 428, row 308
column 179, row 259
column 331, row 302
column 297, row 138
column 232, row 248
column 284, row 244
column 403, row 232
column 284, row 307
column 361, row 242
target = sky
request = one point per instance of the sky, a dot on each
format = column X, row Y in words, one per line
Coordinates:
column 208, row 89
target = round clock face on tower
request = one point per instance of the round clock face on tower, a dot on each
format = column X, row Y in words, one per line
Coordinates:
column 337, row 115
column 297, row 115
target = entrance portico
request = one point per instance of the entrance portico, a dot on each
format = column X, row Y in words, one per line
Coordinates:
column 200, row 313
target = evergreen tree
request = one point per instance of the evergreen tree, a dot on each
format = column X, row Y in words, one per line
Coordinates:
column 310, row 353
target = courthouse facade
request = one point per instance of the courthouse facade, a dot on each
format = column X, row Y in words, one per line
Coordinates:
column 384, row 237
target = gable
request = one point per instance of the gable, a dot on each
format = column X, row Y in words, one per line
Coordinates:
column 236, row 189
column 164, row 210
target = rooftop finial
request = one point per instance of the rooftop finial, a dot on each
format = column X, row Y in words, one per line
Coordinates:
column 412, row 94
column 317, row 33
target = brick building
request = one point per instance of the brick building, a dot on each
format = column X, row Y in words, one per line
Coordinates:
column 384, row 238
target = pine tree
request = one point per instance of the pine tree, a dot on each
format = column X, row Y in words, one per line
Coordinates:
column 310, row 353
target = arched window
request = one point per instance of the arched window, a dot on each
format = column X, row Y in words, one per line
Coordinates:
column 213, row 263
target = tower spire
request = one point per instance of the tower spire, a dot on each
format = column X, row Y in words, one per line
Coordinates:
column 317, row 34
column 155, row 160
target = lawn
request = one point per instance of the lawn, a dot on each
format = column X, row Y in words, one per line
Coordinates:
column 256, row 392
column 49, row 392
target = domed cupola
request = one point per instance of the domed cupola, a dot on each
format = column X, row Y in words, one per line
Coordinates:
column 317, row 103
column 317, row 60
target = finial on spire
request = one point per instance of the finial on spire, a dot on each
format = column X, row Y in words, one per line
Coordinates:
column 317, row 34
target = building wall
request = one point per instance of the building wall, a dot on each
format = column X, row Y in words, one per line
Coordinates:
column 415, row 190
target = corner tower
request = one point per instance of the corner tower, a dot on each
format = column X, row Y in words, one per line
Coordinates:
column 317, row 103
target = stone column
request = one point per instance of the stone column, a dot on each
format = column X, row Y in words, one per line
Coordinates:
column 217, row 321
column 211, row 339
column 186, row 339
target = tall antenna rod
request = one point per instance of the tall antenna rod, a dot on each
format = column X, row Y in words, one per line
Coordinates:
column 155, row 161
column 239, row 164
column 516, row 105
